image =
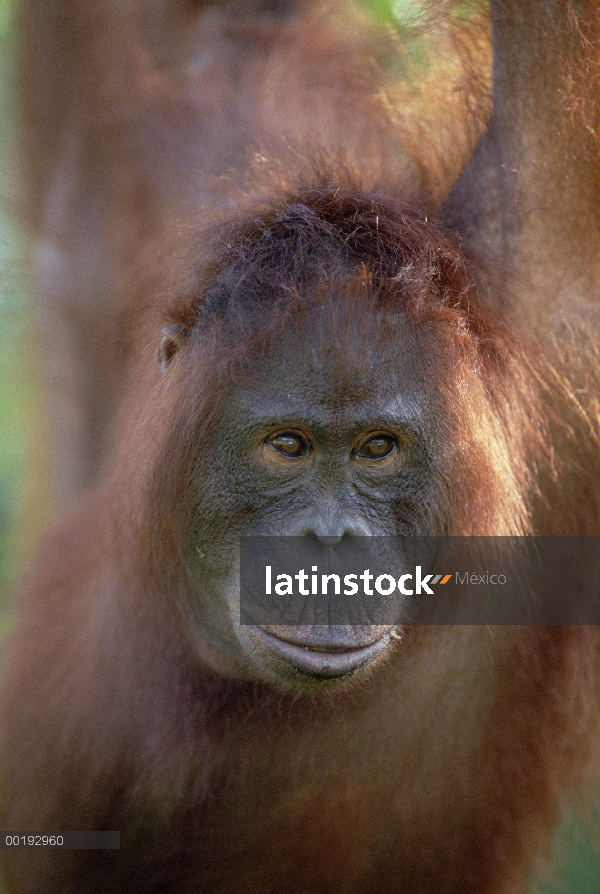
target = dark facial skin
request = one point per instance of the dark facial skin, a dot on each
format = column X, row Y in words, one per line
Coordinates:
column 320, row 442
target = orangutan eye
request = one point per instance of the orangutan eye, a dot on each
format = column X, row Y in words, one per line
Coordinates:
column 290, row 445
column 377, row 447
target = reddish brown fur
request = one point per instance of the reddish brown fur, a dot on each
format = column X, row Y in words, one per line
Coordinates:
column 438, row 752
column 444, row 768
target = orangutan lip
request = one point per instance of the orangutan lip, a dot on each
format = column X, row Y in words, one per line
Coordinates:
column 318, row 663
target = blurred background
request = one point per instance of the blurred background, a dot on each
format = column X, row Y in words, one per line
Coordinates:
column 18, row 391
column 22, row 502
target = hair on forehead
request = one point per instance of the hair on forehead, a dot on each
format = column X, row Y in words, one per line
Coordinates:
column 270, row 258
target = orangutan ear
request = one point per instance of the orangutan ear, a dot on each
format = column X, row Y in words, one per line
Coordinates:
column 171, row 342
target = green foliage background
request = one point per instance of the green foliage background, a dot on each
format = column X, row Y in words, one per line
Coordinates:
column 579, row 863
column 17, row 390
